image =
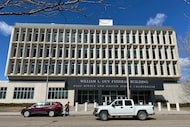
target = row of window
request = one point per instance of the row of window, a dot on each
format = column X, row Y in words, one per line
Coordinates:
column 142, row 52
column 28, row 93
column 95, row 67
column 92, row 36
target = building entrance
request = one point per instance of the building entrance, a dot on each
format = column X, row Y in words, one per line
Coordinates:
column 87, row 96
column 142, row 96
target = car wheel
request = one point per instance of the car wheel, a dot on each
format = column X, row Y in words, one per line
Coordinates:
column 104, row 115
column 141, row 115
column 26, row 114
column 51, row 113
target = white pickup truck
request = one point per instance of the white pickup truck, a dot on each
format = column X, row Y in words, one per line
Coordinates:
column 123, row 107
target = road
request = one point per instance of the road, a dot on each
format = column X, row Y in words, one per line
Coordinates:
column 91, row 121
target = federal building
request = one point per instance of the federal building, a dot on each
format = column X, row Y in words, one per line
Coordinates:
column 91, row 63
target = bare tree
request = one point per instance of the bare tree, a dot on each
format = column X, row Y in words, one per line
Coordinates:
column 45, row 7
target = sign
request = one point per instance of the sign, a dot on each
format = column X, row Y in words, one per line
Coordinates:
column 114, row 83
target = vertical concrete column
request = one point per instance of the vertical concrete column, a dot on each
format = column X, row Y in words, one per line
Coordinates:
column 76, row 107
column 177, row 107
column 86, row 106
column 168, row 106
column 159, row 106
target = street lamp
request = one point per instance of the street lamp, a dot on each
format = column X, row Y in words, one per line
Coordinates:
column 127, row 74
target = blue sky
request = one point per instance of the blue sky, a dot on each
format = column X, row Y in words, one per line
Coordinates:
column 123, row 12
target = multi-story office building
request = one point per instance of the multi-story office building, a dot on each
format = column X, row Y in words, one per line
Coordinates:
column 91, row 62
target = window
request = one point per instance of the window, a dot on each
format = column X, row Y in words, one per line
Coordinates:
column 147, row 52
column 170, row 38
column 123, row 68
column 54, row 51
column 23, row 35
column 136, row 68
column 116, row 68
column 48, row 36
column 42, row 36
column 172, row 52
column 72, row 68
column 97, row 38
column 142, row 68
column 121, row 38
column 61, row 37
column 52, row 66
column 149, row 68
column 34, row 51
column 135, row 53
column 60, row 52
column 104, row 67
column 116, row 52
column 85, row 52
column 168, row 68
column 66, row 67
column 73, row 36
column 122, row 52
column 3, row 92
column 23, row 93
column 32, row 67
column 85, row 68
column 109, row 37
column 28, row 51
column 73, row 52
column 67, row 36
column 146, row 38
column 152, row 38
column 129, row 68
column 19, row 67
column 104, row 52
column 59, row 67
column 153, row 53
column 164, row 38
column 39, row 67
column 91, row 68
column 110, row 68
column 160, row 52
column 36, row 36
column 110, row 53
column 91, row 52
column 128, row 103
column 66, row 52
column 41, row 51
column 97, row 52
column 54, row 36
column 79, row 37
column 103, row 38
column 14, row 51
column 25, row 67
column 155, row 68
column 141, row 52
column 17, row 35
column 57, row 93
column 161, row 68
column 140, row 38
column 85, row 37
column 91, row 38
column 166, row 54
column 30, row 35
column 46, row 67
column 79, row 52
column 115, row 38
column 21, row 51
column 97, row 68
column 174, row 68
column 134, row 38
column 158, row 38
column 128, row 38
column 78, row 67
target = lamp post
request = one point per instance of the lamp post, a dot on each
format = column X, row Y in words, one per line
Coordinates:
column 127, row 74
column 47, row 78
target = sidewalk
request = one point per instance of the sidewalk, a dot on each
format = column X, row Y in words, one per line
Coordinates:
column 89, row 112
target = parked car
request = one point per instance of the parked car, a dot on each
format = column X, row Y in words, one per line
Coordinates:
column 123, row 107
column 46, row 108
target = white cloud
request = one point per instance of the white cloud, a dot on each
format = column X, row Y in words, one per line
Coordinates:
column 158, row 20
column 5, row 29
column 185, row 66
